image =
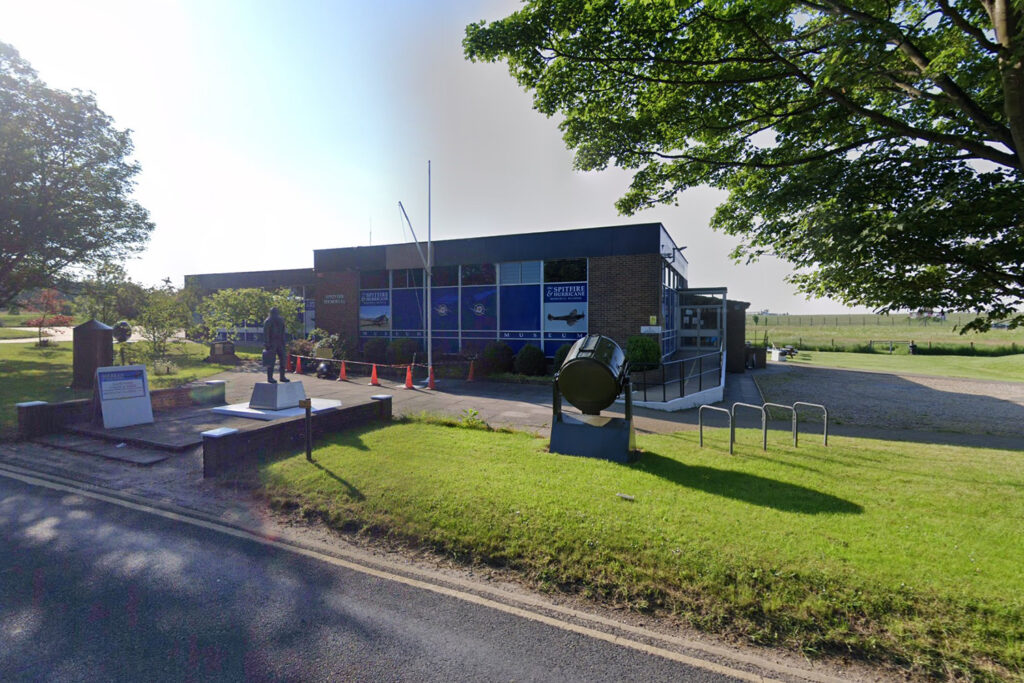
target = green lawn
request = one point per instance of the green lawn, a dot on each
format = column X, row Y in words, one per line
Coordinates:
column 8, row 333
column 849, row 330
column 906, row 554
column 19, row 319
column 31, row 373
column 972, row 367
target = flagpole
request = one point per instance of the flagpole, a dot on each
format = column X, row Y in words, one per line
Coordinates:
column 430, row 270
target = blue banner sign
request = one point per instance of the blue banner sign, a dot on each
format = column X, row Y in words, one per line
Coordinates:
column 565, row 308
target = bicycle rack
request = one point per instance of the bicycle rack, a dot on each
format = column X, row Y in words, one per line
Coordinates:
column 732, row 426
column 824, row 411
column 764, row 421
column 791, row 409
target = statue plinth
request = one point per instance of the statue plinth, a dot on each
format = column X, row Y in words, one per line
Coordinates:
column 280, row 396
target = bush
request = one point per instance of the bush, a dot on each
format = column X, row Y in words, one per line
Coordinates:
column 530, row 361
column 300, row 347
column 401, row 351
column 332, row 346
column 560, row 355
column 643, row 351
column 375, row 350
column 497, row 357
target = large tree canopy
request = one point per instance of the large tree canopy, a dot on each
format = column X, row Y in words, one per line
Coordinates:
column 876, row 145
column 65, row 182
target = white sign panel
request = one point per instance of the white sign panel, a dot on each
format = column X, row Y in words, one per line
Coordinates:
column 124, row 396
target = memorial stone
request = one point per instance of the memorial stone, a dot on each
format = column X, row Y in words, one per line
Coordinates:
column 92, row 348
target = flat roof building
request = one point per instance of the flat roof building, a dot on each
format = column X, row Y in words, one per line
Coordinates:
column 543, row 288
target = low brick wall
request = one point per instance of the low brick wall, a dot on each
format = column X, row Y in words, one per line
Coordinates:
column 245, row 447
column 36, row 418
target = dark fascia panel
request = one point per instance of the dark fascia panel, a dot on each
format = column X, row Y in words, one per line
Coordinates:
column 640, row 238
column 265, row 279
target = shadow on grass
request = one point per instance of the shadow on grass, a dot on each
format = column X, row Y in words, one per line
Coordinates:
column 353, row 492
column 748, row 488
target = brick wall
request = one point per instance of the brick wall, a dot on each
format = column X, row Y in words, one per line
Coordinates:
column 247, row 446
column 625, row 291
column 332, row 314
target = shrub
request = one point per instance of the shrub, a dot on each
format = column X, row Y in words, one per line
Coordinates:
column 375, row 350
column 300, row 347
column 643, row 351
column 401, row 351
column 332, row 346
column 560, row 355
column 497, row 357
column 530, row 360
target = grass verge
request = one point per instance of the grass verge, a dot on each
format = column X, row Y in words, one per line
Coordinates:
column 903, row 554
column 1009, row 368
column 32, row 373
column 9, row 333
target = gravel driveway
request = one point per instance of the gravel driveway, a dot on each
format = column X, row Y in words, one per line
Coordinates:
column 914, row 402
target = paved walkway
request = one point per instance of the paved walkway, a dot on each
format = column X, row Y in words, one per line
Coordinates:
column 518, row 406
column 53, row 334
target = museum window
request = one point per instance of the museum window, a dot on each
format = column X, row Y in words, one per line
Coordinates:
column 521, row 272
column 405, row 278
column 566, row 270
column 478, row 274
column 445, row 276
column 373, row 279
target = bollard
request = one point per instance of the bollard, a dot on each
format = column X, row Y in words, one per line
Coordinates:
column 470, row 378
column 430, row 382
column 307, row 403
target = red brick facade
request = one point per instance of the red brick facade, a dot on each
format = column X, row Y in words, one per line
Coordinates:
column 337, row 303
column 625, row 291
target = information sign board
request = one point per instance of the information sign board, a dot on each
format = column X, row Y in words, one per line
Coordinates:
column 123, row 391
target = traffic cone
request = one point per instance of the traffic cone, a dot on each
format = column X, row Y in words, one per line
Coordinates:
column 373, row 377
column 408, row 377
column 430, row 382
column 342, row 376
column 470, row 378
column 298, row 364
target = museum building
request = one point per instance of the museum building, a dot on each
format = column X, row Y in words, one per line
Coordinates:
column 542, row 288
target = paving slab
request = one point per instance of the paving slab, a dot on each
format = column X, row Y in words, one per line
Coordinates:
column 105, row 449
column 173, row 431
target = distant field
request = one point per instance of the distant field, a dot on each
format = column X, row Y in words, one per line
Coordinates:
column 845, row 331
column 1010, row 368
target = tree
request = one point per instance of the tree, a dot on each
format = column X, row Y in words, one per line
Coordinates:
column 65, row 182
column 109, row 295
column 161, row 317
column 50, row 306
column 228, row 309
column 877, row 146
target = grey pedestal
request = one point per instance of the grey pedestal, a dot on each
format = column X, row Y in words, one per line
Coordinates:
column 267, row 396
column 609, row 438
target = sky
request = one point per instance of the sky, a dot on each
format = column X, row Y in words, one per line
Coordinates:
column 266, row 130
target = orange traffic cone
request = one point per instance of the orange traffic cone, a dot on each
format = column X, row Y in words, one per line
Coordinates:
column 342, row 376
column 408, row 377
column 430, row 382
column 470, row 378
column 373, row 377
column 298, row 364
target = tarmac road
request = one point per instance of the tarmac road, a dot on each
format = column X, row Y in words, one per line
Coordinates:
column 94, row 590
